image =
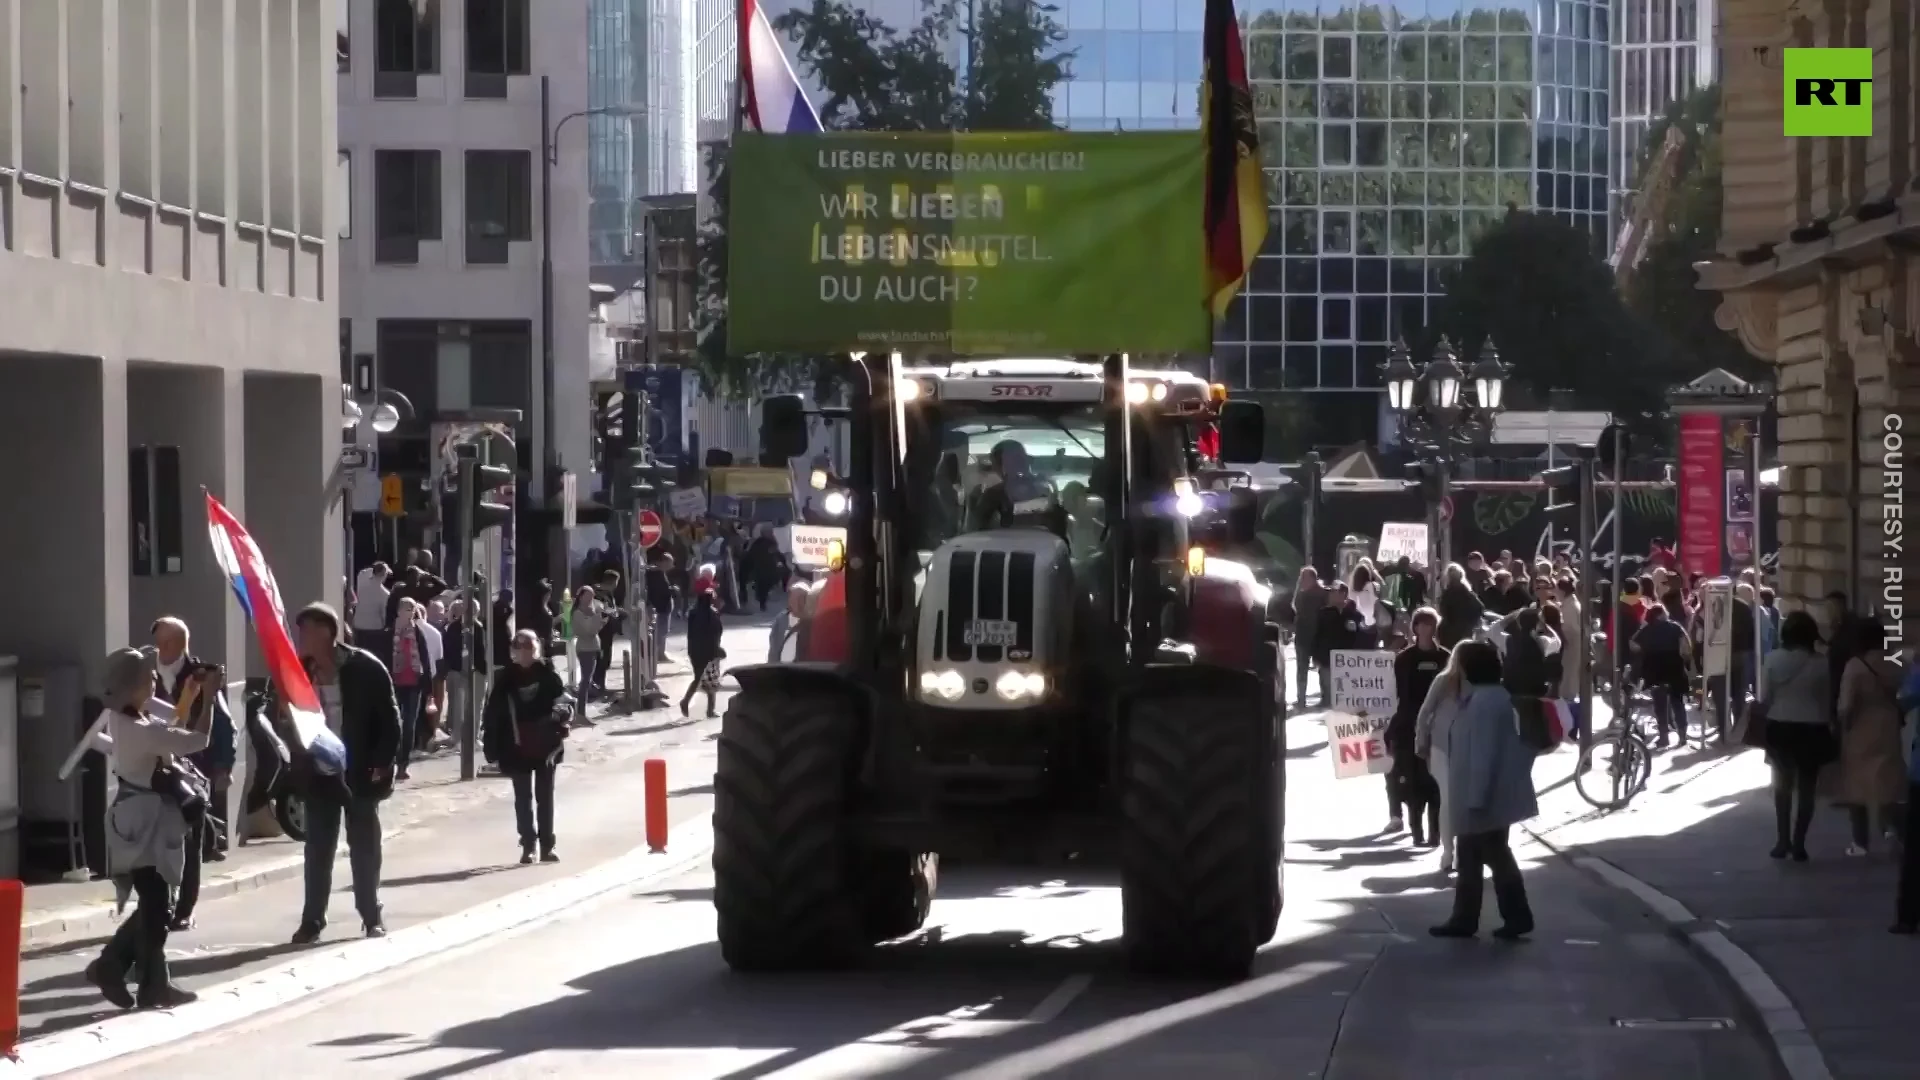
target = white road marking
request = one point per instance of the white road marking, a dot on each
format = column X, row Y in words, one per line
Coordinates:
column 1054, row 1004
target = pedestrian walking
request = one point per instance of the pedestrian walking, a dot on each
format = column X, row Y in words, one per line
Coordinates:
column 1432, row 729
column 1414, row 671
column 1490, row 784
column 1460, row 607
column 1872, row 764
column 371, row 595
column 612, row 611
column 589, row 617
column 175, row 667
column 1309, row 599
column 147, row 826
column 412, row 671
column 433, row 705
column 704, row 630
column 524, row 734
column 662, row 595
column 1906, row 901
column 1797, row 731
column 786, row 624
column 357, row 695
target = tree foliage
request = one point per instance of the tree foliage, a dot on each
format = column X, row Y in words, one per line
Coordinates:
column 994, row 71
column 1665, row 290
column 1535, row 285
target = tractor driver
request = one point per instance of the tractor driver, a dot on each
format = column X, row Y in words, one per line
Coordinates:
column 1012, row 495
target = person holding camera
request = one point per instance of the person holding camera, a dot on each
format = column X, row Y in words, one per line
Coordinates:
column 523, row 733
column 176, row 667
column 147, row 828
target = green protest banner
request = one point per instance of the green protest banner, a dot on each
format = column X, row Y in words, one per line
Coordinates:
column 1046, row 242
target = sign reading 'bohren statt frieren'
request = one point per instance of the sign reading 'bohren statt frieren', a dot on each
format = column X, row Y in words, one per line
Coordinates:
column 1058, row 242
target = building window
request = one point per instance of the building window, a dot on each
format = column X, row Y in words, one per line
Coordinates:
column 406, row 45
column 499, row 202
column 406, row 192
column 343, row 192
column 497, row 45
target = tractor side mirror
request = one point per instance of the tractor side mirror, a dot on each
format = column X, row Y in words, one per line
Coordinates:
column 783, row 427
column 1243, row 432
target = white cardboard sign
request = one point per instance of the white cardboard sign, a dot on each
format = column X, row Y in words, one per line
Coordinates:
column 1716, row 618
column 1364, row 699
column 688, row 503
column 806, row 545
column 1402, row 539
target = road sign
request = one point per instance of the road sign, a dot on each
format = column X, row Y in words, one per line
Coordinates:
column 647, row 529
column 1446, row 508
column 1548, row 426
column 355, row 457
column 393, row 495
column 569, row 501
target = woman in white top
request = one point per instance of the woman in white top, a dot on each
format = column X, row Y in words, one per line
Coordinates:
column 1431, row 731
column 146, row 829
column 1364, row 590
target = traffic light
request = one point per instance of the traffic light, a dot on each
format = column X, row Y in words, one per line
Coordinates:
column 488, row 514
column 650, row 478
column 1614, row 445
column 1563, row 487
column 614, row 427
column 1427, row 475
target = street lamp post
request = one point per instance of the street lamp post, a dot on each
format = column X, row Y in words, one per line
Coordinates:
column 549, row 159
column 1439, row 424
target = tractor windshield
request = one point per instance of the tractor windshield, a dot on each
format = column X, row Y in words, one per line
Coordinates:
column 988, row 467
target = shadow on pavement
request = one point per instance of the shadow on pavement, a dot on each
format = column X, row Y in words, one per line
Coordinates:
column 444, row 877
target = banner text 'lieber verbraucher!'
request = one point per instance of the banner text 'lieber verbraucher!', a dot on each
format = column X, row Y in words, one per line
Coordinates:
column 917, row 225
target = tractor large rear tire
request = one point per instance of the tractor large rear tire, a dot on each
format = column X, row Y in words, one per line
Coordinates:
column 1196, row 890
column 782, row 860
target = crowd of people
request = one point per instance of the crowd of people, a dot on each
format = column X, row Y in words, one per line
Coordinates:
column 1835, row 712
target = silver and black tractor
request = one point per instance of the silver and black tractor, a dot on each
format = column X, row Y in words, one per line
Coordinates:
column 1020, row 658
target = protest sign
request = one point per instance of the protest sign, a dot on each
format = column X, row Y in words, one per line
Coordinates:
column 1364, row 698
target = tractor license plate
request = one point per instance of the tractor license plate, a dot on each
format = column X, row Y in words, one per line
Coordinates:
column 989, row 632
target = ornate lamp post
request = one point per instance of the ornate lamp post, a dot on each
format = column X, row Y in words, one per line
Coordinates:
column 1443, row 421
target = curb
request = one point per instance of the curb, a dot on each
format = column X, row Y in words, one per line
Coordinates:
column 331, row 968
column 1793, row 1045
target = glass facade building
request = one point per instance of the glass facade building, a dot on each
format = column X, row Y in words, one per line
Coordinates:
column 614, row 81
column 633, row 64
column 1663, row 50
column 1392, row 138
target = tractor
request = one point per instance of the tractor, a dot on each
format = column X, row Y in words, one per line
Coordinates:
column 1018, row 660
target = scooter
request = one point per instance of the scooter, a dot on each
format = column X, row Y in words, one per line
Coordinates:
column 272, row 782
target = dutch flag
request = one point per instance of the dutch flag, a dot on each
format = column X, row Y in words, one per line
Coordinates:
column 773, row 102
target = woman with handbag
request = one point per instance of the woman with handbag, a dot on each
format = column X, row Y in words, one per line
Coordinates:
column 147, row 824
column 704, row 653
column 1873, row 767
column 523, row 733
column 1796, row 728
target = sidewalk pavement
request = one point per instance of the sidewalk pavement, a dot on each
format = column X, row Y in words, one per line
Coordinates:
column 1807, row 942
column 58, row 913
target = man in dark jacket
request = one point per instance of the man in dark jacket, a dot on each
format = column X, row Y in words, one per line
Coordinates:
column 1332, row 630
column 174, row 665
column 356, row 695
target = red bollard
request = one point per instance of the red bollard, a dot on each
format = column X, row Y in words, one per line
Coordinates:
column 13, row 902
column 654, row 773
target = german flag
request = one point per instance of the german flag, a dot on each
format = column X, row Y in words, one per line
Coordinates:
column 1236, row 211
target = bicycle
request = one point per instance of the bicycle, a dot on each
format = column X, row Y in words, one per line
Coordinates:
column 1620, row 757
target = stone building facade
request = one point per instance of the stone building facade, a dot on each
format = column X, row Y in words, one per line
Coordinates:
column 1819, row 274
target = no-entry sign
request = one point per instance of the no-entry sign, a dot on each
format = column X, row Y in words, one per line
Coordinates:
column 647, row 529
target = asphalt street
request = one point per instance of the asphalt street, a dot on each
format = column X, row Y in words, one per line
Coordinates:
column 1020, row 978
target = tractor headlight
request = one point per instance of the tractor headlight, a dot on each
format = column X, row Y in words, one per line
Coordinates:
column 945, row 685
column 834, row 503
column 1014, row 685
